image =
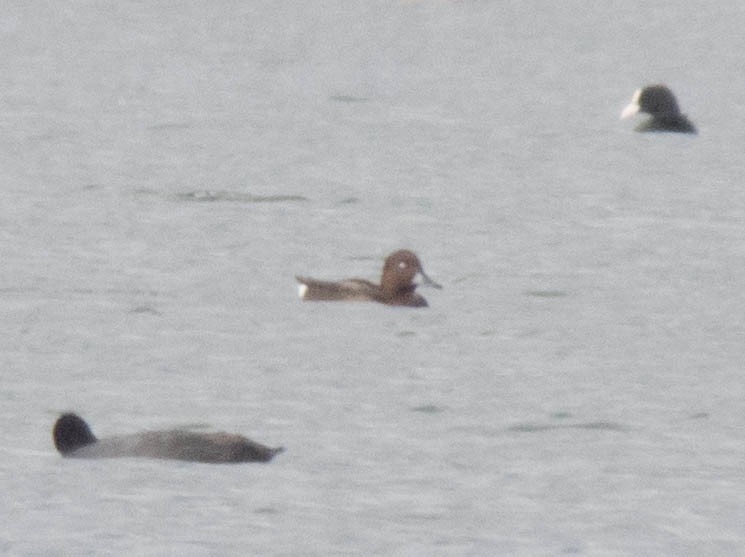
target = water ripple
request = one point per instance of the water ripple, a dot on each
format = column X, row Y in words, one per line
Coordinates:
column 233, row 196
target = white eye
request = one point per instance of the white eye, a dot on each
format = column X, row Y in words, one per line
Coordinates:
column 402, row 264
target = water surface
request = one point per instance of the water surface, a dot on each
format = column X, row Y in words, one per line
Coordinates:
column 575, row 388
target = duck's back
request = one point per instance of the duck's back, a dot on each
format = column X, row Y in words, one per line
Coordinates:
column 667, row 123
column 344, row 290
column 179, row 445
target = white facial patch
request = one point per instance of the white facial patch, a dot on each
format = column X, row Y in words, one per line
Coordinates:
column 302, row 290
column 633, row 106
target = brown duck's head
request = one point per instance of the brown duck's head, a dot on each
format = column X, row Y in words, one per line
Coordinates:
column 399, row 271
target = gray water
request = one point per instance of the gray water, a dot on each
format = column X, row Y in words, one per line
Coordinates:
column 575, row 389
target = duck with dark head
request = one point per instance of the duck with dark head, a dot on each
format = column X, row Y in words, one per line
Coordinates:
column 74, row 438
column 659, row 102
column 396, row 288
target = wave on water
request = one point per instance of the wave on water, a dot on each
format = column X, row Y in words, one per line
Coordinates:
column 234, row 196
column 529, row 427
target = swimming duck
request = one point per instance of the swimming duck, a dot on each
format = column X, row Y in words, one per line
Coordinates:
column 74, row 438
column 396, row 288
column 660, row 103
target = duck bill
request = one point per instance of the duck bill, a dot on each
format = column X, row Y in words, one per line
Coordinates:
column 633, row 107
column 426, row 281
column 630, row 110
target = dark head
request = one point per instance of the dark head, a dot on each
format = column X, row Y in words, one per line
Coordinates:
column 399, row 271
column 70, row 433
column 658, row 99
